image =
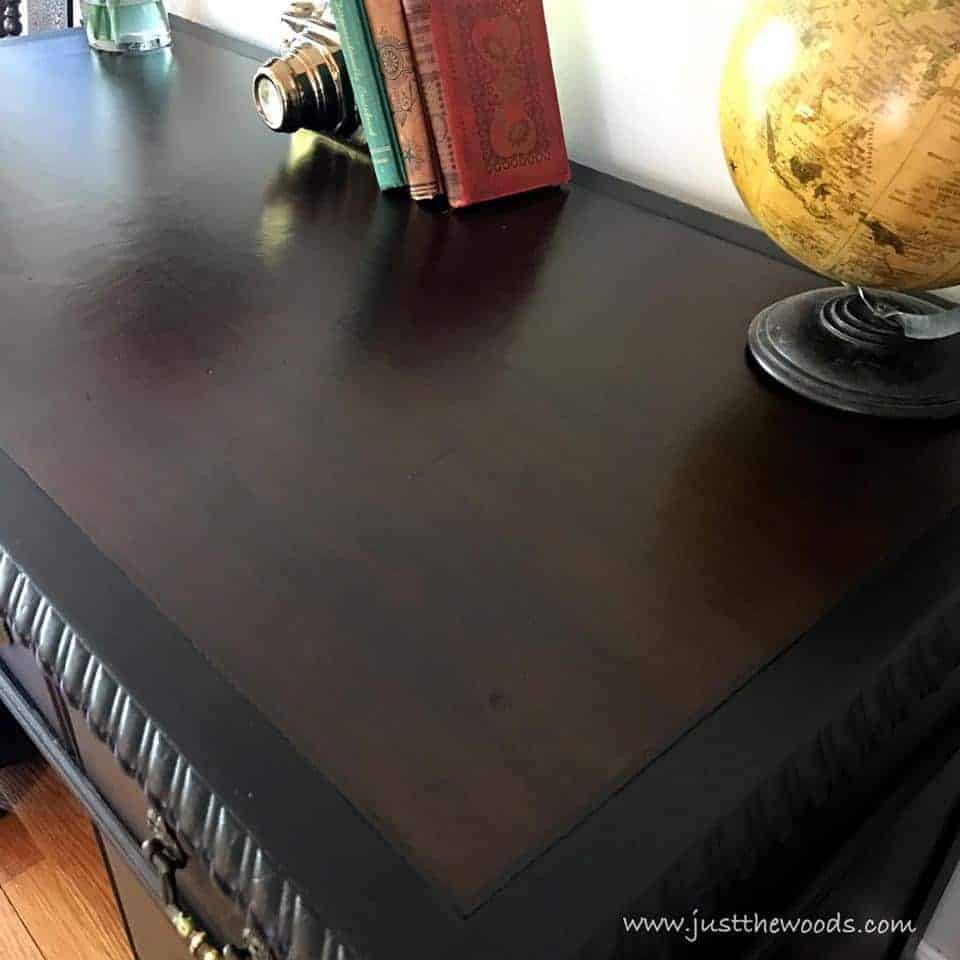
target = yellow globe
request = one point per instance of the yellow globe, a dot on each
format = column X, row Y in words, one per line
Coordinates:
column 841, row 128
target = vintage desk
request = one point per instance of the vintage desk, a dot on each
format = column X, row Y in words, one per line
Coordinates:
column 448, row 585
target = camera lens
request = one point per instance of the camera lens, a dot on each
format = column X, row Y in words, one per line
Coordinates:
column 269, row 102
column 307, row 87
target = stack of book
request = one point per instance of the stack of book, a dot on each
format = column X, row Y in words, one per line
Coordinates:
column 457, row 97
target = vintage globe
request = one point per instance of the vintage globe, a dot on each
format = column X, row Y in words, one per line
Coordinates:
column 840, row 122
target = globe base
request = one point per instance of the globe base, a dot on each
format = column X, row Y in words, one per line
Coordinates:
column 830, row 347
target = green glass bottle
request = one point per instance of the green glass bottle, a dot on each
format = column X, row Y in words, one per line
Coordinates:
column 126, row 26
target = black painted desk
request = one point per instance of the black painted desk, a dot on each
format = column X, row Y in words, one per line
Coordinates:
column 448, row 583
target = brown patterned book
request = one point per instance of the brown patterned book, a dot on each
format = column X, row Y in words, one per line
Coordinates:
column 389, row 28
column 488, row 83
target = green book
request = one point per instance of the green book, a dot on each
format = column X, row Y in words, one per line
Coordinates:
column 370, row 92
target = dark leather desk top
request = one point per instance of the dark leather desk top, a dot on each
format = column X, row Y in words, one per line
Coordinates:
column 480, row 512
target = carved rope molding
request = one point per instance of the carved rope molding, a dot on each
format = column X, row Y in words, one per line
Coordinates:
column 236, row 863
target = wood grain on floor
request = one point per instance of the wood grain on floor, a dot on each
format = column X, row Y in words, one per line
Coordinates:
column 15, row 942
column 56, row 902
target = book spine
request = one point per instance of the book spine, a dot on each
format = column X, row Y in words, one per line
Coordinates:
column 392, row 41
column 370, row 93
column 499, row 97
column 420, row 27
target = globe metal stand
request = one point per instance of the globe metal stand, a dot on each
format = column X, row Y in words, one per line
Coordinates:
column 881, row 354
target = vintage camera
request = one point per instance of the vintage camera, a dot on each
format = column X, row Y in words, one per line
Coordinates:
column 307, row 85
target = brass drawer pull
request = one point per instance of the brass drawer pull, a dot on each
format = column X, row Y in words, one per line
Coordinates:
column 167, row 857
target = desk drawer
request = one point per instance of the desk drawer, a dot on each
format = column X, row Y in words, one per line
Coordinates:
column 20, row 664
column 196, row 891
column 99, row 740
column 118, row 809
column 150, row 932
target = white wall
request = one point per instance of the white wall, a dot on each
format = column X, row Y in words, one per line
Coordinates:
column 255, row 20
column 638, row 84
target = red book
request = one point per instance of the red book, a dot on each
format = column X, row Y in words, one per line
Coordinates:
column 488, row 82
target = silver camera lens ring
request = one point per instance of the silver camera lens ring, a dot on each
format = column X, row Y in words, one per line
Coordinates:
column 273, row 86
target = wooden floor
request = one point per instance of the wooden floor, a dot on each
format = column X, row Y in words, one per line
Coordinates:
column 56, row 902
